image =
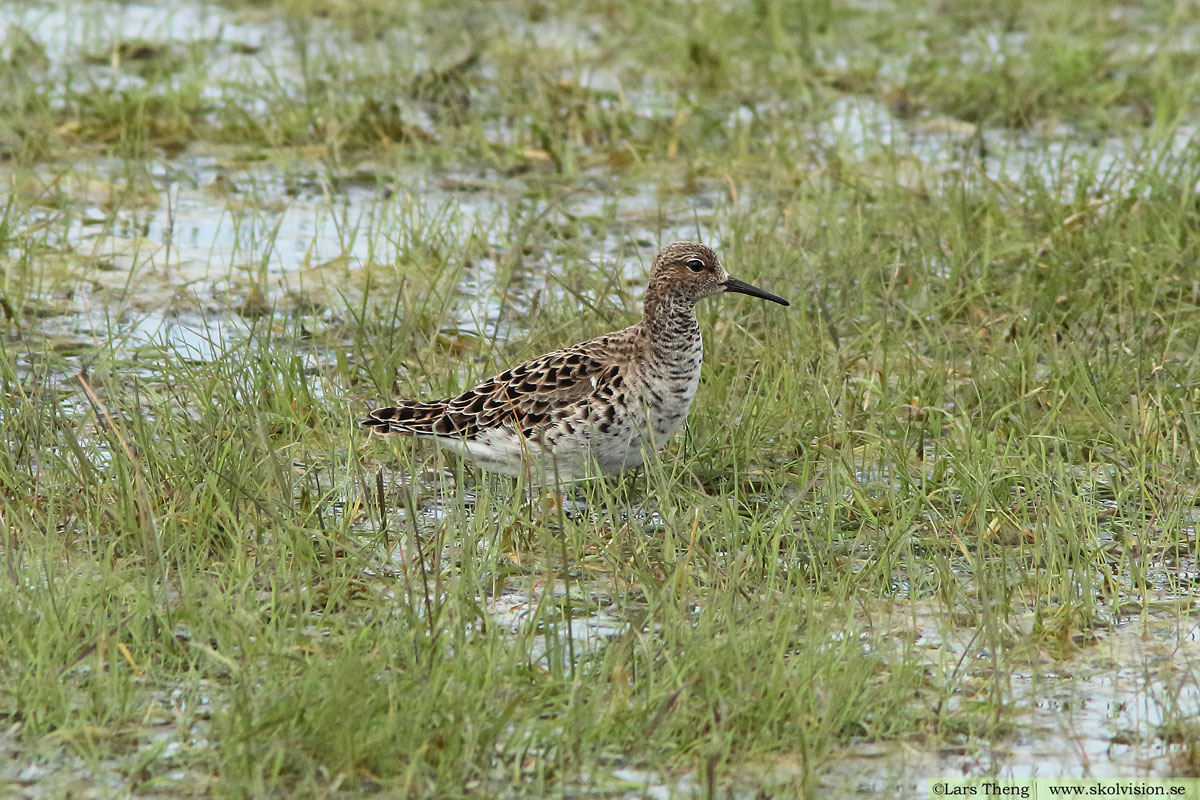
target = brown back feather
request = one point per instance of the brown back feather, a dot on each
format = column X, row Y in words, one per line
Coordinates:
column 531, row 394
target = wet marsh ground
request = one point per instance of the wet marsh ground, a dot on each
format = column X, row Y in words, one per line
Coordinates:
column 937, row 518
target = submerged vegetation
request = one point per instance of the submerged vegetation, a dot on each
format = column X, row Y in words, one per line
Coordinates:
column 941, row 504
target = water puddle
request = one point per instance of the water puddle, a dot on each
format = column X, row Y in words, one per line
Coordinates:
column 1118, row 700
column 920, row 153
column 211, row 244
column 1122, row 705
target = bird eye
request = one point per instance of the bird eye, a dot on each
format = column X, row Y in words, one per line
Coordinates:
column 695, row 265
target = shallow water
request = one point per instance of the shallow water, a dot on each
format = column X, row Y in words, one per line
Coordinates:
column 176, row 258
column 1119, row 700
column 1110, row 710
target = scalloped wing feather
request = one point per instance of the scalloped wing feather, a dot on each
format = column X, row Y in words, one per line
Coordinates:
column 527, row 397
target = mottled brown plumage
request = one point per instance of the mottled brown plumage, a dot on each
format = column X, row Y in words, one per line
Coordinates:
column 597, row 406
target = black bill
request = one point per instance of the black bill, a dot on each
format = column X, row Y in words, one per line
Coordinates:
column 741, row 287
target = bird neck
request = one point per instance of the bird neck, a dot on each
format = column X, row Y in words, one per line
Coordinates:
column 671, row 322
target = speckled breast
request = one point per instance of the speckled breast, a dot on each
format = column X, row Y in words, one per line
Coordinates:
column 668, row 385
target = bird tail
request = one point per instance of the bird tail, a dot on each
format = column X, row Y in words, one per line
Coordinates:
column 409, row 417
